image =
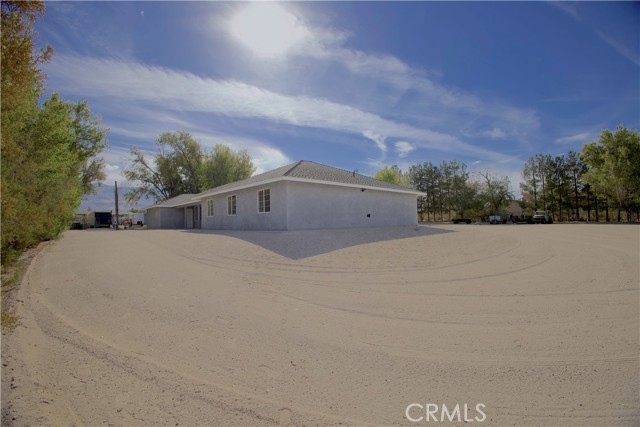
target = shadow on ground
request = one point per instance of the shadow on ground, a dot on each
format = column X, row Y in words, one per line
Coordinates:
column 301, row 244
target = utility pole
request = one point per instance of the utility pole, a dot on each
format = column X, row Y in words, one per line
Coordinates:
column 117, row 210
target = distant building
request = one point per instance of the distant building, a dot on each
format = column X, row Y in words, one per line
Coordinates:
column 302, row 195
column 515, row 209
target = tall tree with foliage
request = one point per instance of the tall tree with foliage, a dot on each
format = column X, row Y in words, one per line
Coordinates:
column 495, row 192
column 223, row 166
column 576, row 168
column 181, row 166
column 392, row 174
column 425, row 177
column 544, row 168
column 462, row 193
column 530, row 185
column 614, row 168
column 559, row 185
column 48, row 152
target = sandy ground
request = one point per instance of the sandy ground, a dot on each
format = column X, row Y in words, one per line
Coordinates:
column 538, row 323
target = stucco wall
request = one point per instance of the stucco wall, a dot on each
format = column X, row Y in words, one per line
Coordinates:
column 247, row 216
column 327, row 206
column 165, row 218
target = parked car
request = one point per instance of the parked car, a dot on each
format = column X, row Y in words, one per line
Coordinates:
column 459, row 220
column 542, row 217
column 523, row 219
column 497, row 219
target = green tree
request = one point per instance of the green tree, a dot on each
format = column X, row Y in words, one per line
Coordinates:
column 495, row 192
column 223, row 166
column 49, row 152
column 22, row 80
column 425, row 177
column 530, row 185
column 182, row 167
column 559, row 185
column 463, row 194
column 614, row 168
column 544, row 168
column 576, row 168
column 393, row 175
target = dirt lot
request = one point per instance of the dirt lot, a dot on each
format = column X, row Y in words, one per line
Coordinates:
column 539, row 324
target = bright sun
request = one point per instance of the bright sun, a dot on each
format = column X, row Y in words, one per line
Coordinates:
column 267, row 29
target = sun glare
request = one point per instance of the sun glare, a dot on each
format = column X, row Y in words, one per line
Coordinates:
column 267, row 29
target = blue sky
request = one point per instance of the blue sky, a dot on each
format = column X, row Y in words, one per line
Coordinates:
column 356, row 85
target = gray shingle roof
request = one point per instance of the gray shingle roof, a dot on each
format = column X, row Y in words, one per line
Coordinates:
column 303, row 170
column 311, row 171
column 174, row 201
column 317, row 172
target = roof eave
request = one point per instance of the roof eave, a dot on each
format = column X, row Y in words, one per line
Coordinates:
column 215, row 192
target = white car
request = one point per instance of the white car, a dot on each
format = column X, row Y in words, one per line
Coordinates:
column 542, row 217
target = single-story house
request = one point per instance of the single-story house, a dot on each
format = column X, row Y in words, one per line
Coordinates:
column 302, row 195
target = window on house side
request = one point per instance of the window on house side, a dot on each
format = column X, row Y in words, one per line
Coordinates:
column 231, row 205
column 210, row 207
column 264, row 201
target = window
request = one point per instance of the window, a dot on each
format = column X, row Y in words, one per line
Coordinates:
column 210, row 207
column 231, row 205
column 264, row 201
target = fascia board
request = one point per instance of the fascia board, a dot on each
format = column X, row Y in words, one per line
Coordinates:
column 213, row 192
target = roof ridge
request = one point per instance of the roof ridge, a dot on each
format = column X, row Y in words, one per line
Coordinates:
column 291, row 169
column 353, row 172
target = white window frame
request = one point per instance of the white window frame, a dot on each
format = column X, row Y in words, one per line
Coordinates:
column 264, row 210
column 232, row 205
column 210, row 208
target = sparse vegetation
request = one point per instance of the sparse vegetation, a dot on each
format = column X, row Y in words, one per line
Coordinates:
column 11, row 278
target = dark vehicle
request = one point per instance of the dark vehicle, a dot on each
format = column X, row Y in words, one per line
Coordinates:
column 102, row 219
column 542, row 217
column 459, row 220
column 522, row 219
column 76, row 226
column 497, row 219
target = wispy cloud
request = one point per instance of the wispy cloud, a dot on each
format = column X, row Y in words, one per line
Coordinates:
column 580, row 137
column 496, row 133
column 403, row 148
column 150, row 86
column 567, row 7
column 629, row 53
column 571, row 9
column 454, row 104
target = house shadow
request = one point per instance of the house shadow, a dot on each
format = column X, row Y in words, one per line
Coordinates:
column 300, row 244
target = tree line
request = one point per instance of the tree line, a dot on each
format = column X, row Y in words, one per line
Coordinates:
column 603, row 177
column 451, row 190
column 49, row 149
column 583, row 186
